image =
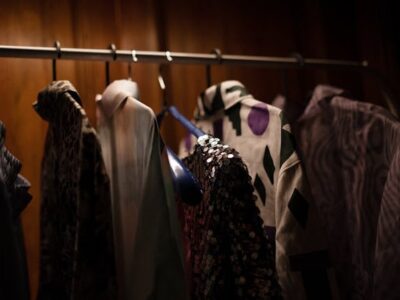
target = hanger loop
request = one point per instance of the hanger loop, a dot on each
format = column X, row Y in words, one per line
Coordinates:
column 57, row 45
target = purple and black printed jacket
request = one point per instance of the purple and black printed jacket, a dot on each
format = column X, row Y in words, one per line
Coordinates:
column 262, row 136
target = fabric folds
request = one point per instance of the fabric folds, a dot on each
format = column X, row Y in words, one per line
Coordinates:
column 147, row 235
column 229, row 255
column 262, row 136
column 350, row 151
column 14, row 197
column 77, row 251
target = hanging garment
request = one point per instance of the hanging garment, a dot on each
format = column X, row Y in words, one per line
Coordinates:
column 77, row 252
column 349, row 151
column 147, row 234
column 229, row 254
column 261, row 134
column 387, row 262
column 14, row 197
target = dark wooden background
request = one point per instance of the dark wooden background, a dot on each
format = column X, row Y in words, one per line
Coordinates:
column 353, row 30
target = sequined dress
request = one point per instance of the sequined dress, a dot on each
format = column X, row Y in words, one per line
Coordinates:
column 229, row 255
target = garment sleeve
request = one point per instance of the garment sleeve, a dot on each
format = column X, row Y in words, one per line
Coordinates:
column 387, row 263
column 302, row 257
column 251, row 254
column 96, row 248
column 158, row 261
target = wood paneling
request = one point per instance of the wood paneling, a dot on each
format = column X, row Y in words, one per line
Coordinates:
column 91, row 24
column 343, row 29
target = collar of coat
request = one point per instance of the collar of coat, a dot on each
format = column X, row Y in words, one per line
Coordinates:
column 115, row 95
column 220, row 97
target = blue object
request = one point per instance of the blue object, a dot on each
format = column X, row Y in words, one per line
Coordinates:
column 185, row 184
column 185, row 122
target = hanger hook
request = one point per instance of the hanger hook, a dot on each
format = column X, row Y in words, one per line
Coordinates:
column 168, row 56
column 161, row 79
column 218, row 57
column 161, row 82
column 113, row 49
column 57, row 45
column 135, row 60
column 300, row 59
column 134, row 57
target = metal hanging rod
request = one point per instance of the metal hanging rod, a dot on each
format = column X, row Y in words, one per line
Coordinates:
column 167, row 57
column 174, row 57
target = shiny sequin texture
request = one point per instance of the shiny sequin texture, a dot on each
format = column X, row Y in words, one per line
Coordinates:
column 229, row 255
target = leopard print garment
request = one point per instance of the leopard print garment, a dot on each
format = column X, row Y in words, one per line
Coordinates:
column 77, row 254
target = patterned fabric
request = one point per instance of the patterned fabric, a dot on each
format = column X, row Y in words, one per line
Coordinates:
column 148, row 243
column 387, row 262
column 261, row 134
column 229, row 254
column 77, row 253
column 14, row 197
column 350, row 152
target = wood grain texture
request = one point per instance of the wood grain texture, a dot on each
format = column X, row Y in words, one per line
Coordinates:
column 343, row 30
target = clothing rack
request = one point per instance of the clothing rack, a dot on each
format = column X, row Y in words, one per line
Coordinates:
column 167, row 57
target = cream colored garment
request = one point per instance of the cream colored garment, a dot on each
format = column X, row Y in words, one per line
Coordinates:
column 262, row 136
column 148, row 245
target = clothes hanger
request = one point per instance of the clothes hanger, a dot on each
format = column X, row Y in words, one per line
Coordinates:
column 185, row 183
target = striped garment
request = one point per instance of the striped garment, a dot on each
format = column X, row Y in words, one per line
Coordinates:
column 351, row 155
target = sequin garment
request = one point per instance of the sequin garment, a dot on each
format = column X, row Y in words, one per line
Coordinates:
column 229, row 254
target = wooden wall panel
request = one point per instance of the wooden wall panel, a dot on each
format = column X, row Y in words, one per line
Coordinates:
column 343, row 29
column 348, row 30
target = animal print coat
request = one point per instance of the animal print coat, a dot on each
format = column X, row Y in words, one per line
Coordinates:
column 77, row 254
